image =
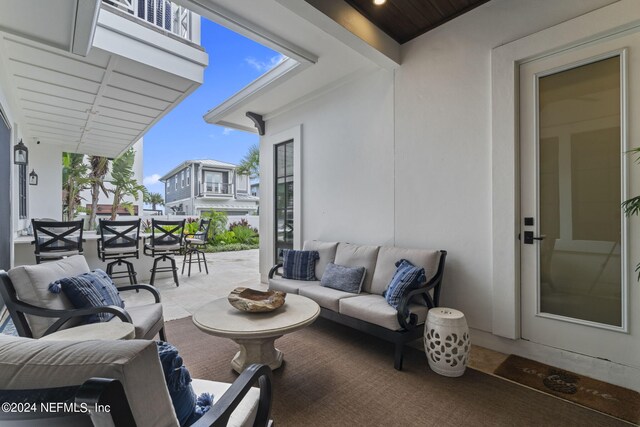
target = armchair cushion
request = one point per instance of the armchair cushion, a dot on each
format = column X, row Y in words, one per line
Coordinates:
column 29, row 364
column 299, row 265
column 407, row 277
column 374, row 309
column 147, row 319
column 32, row 286
column 87, row 290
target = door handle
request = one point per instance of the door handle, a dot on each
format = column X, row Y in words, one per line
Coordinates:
column 529, row 237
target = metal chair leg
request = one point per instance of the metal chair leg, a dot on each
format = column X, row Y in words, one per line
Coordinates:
column 175, row 270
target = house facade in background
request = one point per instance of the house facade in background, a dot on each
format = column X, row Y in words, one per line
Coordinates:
column 499, row 135
column 197, row 186
column 84, row 76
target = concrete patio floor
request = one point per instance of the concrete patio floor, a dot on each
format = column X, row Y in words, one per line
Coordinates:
column 227, row 270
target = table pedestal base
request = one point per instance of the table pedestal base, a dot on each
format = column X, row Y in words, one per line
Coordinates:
column 261, row 350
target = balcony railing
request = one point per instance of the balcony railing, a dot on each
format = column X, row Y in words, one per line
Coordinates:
column 161, row 13
column 209, row 189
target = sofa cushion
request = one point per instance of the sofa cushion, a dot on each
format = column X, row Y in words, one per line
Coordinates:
column 244, row 414
column 386, row 265
column 347, row 279
column 407, row 277
column 374, row 309
column 325, row 297
column 326, row 251
column 27, row 364
column 147, row 319
column 299, row 265
column 352, row 255
column 32, row 283
column 290, row 286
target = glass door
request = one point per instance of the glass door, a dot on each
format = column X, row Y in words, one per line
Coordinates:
column 574, row 274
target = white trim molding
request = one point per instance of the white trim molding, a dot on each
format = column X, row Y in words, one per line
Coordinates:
column 608, row 21
column 267, row 144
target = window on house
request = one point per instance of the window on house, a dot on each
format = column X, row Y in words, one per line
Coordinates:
column 182, row 179
column 242, row 183
column 188, row 177
column 168, row 186
column 22, row 191
column 216, row 182
column 284, row 179
column 175, row 183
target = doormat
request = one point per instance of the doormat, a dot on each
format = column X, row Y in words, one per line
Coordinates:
column 607, row 398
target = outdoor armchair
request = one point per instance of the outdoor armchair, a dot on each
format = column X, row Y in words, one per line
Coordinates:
column 125, row 376
column 37, row 312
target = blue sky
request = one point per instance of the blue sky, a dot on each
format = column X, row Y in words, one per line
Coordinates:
column 234, row 61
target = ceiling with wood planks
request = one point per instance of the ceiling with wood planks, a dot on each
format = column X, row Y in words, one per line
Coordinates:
column 404, row 20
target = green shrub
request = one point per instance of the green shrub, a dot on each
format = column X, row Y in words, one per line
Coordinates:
column 231, row 247
column 225, row 238
column 244, row 234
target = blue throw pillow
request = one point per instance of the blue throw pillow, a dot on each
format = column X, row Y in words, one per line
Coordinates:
column 342, row 278
column 299, row 265
column 188, row 407
column 87, row 290
column 406, row 277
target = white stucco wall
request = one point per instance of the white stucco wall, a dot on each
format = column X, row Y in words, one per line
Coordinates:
column 347, row 161
column 406, row 160
column 45, row 199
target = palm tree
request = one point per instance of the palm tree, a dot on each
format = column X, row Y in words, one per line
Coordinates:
column 124, row 182
column 74, row 180
column 154, row 199
column 250, row 164
column 99, row 169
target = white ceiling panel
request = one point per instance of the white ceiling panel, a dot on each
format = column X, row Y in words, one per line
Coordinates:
column 101, row 104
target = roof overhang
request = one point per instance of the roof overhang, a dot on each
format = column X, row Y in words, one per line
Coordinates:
column 68, row 25
column 320, row 52
column 103, row 103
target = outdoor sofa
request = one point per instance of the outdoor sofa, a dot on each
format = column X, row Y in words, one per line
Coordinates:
column 368, row 311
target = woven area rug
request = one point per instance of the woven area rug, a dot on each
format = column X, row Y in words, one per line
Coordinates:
column 335, row 376
column 608, row 398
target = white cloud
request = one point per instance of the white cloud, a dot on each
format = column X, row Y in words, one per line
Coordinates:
column 264, row 66
column 151, row 180
column 227, row 131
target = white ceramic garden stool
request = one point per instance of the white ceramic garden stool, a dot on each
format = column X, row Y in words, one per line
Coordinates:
column 446, row 341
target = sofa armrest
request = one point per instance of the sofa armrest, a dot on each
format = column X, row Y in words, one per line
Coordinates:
column 218, row 415
column 274, row 270
column 408, row 320
column 149, row 288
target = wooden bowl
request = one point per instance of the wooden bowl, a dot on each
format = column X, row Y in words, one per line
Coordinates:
column 253, row 301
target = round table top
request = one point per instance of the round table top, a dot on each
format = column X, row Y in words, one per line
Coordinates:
column 219, row 318
column 113, row 330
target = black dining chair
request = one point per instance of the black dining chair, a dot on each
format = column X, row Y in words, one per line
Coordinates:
column 194, row 244
column 165, row 242
column 118, row 242
column 55, row 240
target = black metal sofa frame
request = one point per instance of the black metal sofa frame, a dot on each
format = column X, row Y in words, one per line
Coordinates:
column 410, row 331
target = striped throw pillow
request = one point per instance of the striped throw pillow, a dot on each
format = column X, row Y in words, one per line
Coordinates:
column 87, row 290
column 299, row 265
column 406, row 277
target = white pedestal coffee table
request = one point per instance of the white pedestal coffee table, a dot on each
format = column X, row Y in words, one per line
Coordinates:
column 255, row 333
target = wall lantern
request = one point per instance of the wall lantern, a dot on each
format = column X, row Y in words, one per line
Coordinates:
column 33, row 178
column 20, row 154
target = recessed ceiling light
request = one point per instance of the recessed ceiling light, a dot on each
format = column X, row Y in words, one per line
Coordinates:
column 379, row 2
